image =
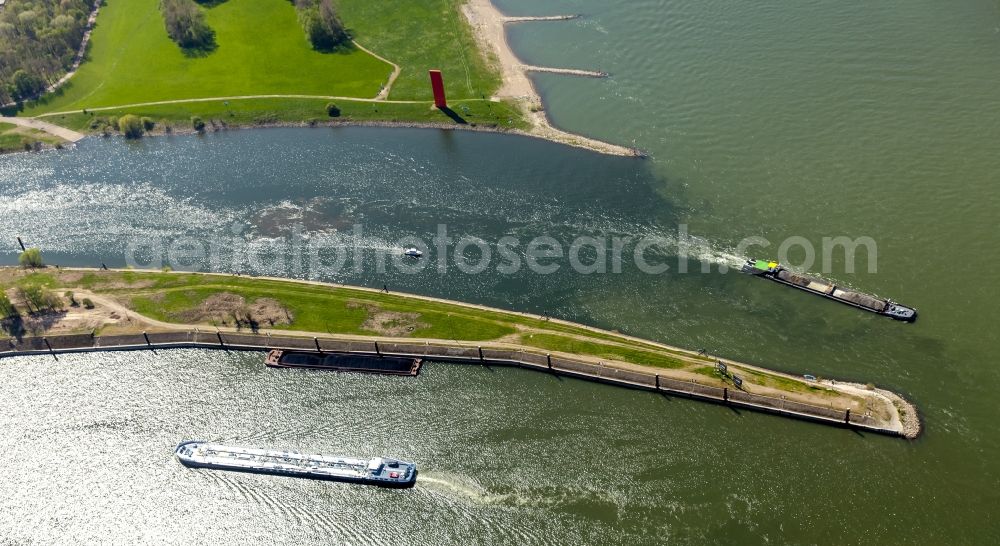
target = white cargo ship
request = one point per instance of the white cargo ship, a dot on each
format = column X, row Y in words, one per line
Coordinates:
column 376, row 471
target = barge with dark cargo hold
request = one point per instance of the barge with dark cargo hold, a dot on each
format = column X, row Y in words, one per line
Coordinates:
column 344, row 362
column 376, row 471
column 780, row 274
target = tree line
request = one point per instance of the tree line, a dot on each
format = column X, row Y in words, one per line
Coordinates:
column 38, row 42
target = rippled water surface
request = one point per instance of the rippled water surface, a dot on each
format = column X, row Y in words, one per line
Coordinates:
column 775, row 119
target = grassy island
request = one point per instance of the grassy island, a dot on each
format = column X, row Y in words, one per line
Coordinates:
column 47, row 301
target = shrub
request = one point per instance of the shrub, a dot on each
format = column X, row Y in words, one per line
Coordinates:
column 33, row 297
column 7, row 308
column 113, row 123
column 186, row 25
column 87, row 303
column 131, row 126
column 198, row 124
column 72, row 298
column 148, row 124
column 31, row 257
column 332, row 110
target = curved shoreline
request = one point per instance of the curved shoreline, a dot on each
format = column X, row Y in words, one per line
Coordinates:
column 375, row 123
column 488, row 25
column 488, row 28
column 453, row 354
column 624, row 359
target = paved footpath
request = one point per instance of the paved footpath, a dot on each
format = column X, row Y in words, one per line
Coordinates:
column 61, row 132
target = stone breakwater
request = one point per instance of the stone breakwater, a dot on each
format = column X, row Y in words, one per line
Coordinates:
column 467, row 353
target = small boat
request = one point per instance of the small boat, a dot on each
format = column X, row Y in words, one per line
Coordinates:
column 413, row 252
column 378, row 471
column 778, row 273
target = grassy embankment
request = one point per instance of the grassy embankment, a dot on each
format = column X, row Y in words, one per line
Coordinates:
column 322, row 309
column 13, row 138
column 250, row 112
column 262, row 50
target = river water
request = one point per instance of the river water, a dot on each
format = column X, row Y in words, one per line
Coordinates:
column 768, row 119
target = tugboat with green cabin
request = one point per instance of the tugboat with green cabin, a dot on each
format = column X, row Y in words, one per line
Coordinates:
column 780, row 274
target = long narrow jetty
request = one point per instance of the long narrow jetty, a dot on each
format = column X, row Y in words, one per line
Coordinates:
column 566, row 71
column 453, row 352
column 530, row 18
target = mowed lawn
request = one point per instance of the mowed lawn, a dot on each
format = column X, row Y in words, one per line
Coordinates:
column 420, row 35
column 261, row 50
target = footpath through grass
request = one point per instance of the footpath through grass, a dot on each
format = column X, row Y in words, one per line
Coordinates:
column 262, row 49
column 420, row 35
column 246, row 303
column 13, row 138
column 196, row 299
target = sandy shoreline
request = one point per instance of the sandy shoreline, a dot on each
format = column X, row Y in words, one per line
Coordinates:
column 488, row 26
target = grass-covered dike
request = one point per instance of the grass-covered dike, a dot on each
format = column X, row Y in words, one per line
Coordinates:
column 126, row 301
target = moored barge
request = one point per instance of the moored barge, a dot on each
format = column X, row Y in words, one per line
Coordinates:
column 780, row 274
column 344, row 362
column 378, row 471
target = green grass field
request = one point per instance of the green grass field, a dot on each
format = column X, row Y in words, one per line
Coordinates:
column 169, row 297
column 261, row 50
column 419, row 35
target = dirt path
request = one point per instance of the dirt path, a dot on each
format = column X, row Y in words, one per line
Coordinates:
column 384, row 92
column 80, row 52
column 61, row 132
column 850, row 390
column 235, row 97
column 855, row 395
column 488, row 23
